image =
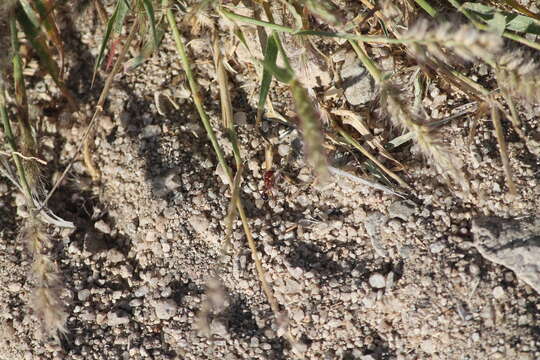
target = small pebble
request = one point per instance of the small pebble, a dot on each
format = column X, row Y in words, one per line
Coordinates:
column 151, row 235
column 165, row 309
column 114, row 319
column 377, row 281
column 115, row 256
column 402, row 209
column 358, row 84
column 14, row 287
column 219, row 328
column 437, row 247
column 498, row 292
column 83, row 294
column 106, row 123
column 474, row 269
column 150, row 131
column 240, row 118
column 103, row 227
column 283, row 150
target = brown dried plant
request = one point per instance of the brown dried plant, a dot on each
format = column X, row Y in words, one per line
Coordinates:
column 46, row 301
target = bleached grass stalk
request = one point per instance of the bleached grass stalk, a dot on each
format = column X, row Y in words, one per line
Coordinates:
column 46, row 301
column 228, row 124
column 28, row 144
column 10, row 139
column 503, row 150
column 367, row 154
column 285, row 29
column 338, row 172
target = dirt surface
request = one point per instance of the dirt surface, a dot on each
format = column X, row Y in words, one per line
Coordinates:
column 361, row 274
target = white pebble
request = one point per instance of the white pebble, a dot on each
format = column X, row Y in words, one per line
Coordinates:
column 436, row 247
column 377, row 281
column 165, row 309
column 83, row 294
column 498, row 292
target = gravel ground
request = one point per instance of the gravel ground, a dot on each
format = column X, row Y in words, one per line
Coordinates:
column 361, row 274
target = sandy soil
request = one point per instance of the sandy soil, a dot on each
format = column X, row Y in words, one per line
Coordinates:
column 361, row 274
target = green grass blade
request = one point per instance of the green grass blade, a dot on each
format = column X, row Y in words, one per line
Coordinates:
column 270, row 57
column 114, row 24
column 49, row 25
column 149, row 9
column 20, row 91
column 30, row 13
column 427, row 7
column 10, row 139
column 38, row 44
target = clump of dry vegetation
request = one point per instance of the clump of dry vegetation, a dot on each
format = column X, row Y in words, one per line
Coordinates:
column 438, row 49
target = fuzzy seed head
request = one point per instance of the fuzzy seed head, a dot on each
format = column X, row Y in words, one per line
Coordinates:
column 424, row 135
column 519, row 76
column 46, row 301
column 464, row 41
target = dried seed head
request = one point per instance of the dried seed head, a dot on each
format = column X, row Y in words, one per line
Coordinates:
column 464, row 41
column 519, row 75
column 310, row 124
column 46, row 301
column 50, row 310
column 424, row 135
column 35, row 237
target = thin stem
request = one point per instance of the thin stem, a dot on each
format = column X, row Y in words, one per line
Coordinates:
column 195, row 93
column 368, row 63
column 20, row 90
column 12, row 144
column 367, row 154
column 499, row 134
column 289, row 30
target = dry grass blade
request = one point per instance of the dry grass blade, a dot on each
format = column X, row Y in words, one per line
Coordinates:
column 48, row 22
column 499, row 134
column 28, row 144
column 354, row 120
column 223, row 82
column 387, row 190
column 370, row 156
column 270, row 56
column 113, row 25
column 34, row 35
